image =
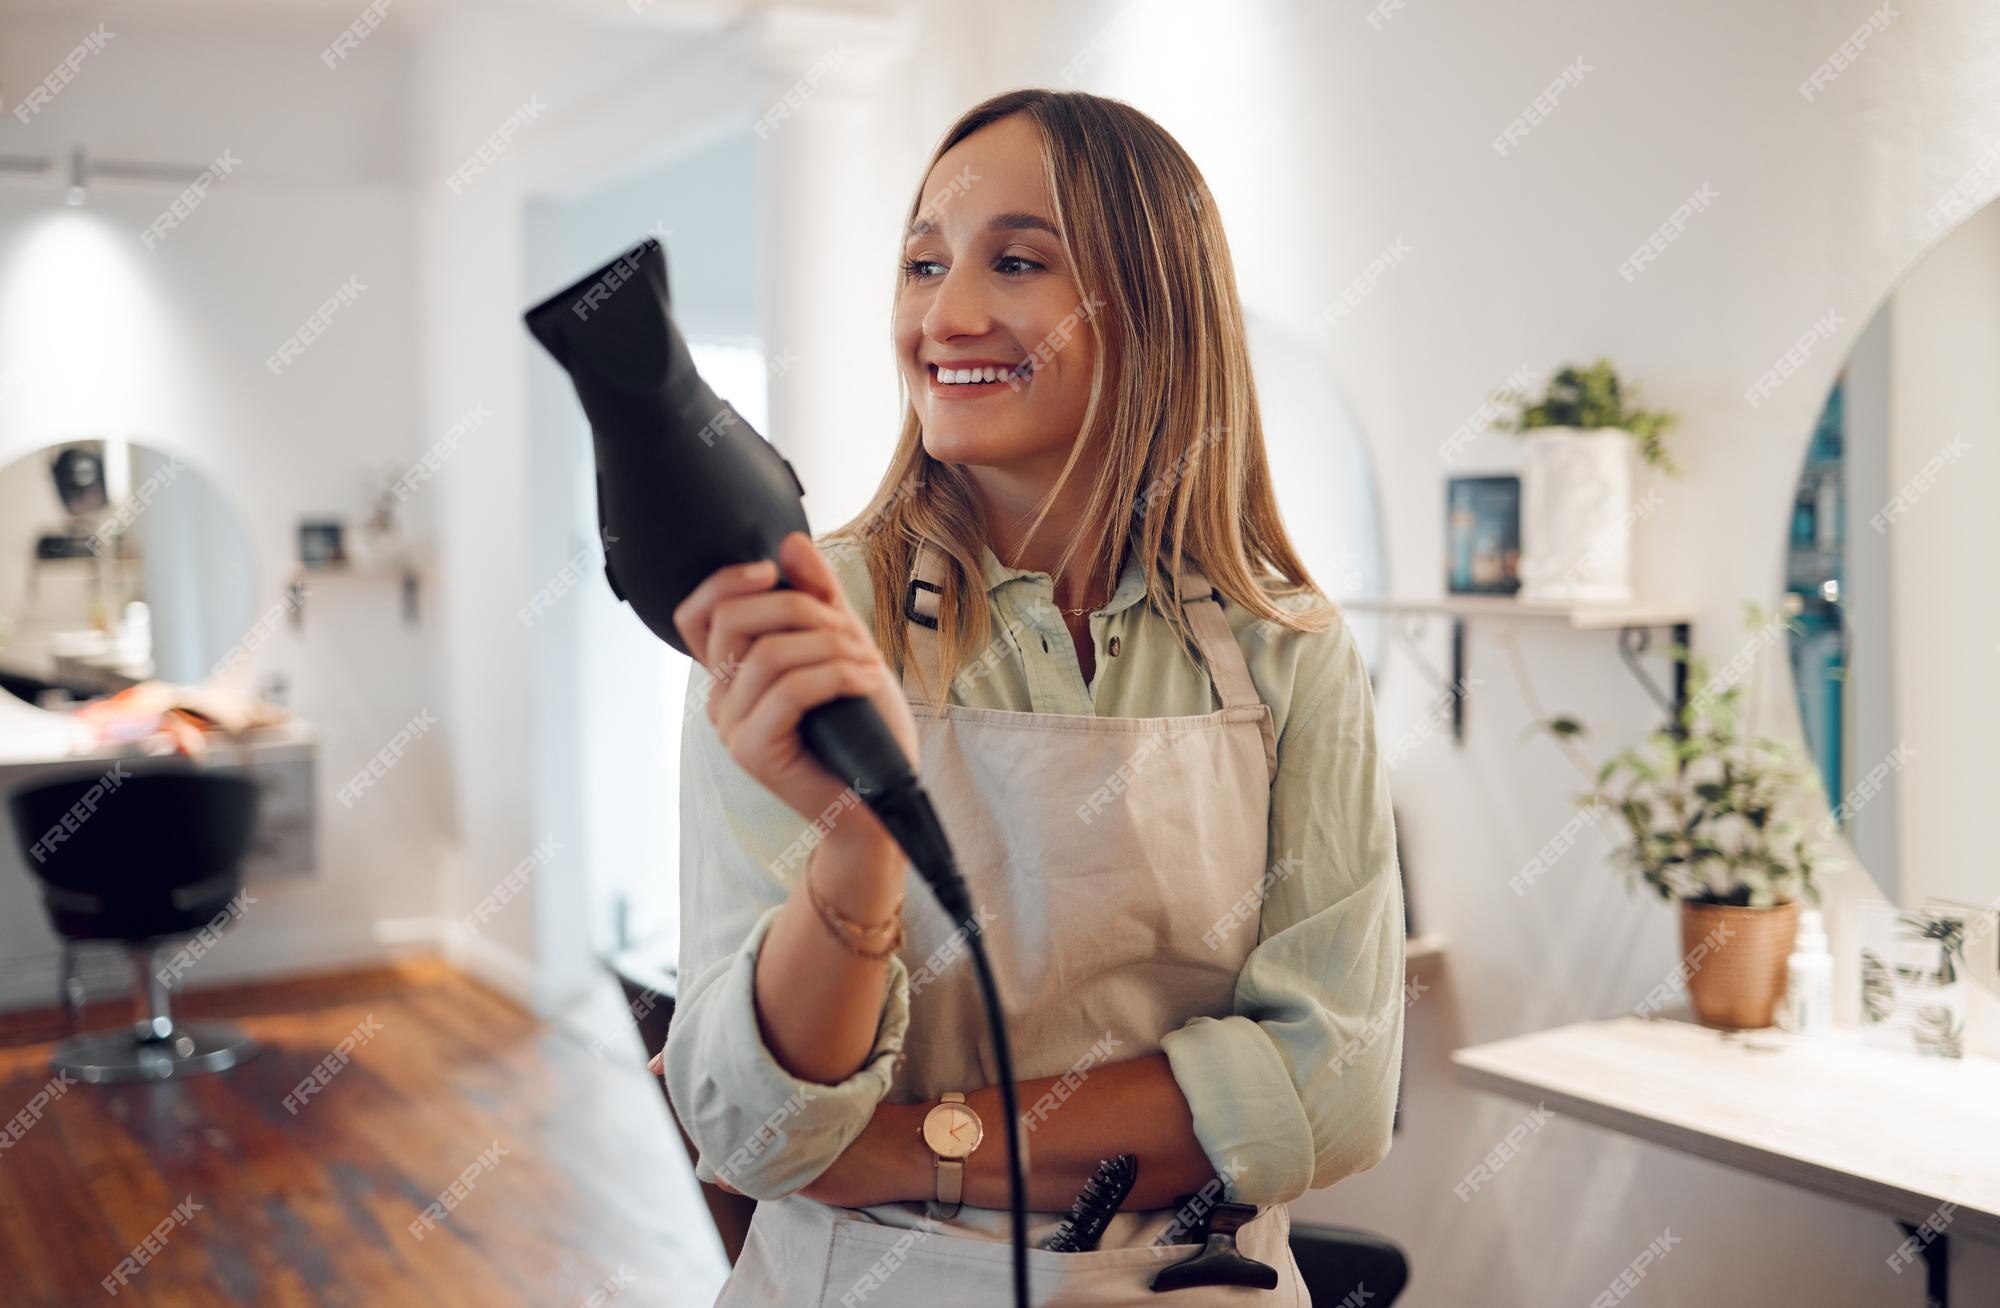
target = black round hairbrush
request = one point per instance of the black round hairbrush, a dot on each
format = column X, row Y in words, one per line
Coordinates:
column 1083, row 1226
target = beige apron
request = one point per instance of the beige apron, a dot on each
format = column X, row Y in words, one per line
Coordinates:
column 1100, row 852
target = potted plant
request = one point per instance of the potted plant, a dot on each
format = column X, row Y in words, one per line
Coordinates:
column 1577, row 513
column 1707, row 810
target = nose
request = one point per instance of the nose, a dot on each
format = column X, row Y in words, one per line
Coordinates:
column 958, row 306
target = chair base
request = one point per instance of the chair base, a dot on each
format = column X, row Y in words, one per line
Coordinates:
column 192, row 1049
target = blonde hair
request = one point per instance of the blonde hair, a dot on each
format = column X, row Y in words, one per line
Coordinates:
column 1171, row 436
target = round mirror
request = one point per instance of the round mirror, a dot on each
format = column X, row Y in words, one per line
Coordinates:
column 1892, row 542
column 118, row 563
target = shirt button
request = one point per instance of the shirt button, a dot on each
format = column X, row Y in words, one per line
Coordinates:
column 1116, row 644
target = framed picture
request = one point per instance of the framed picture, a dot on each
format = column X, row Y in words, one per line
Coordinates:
column 1913, row 982
column 322, row 544
column 1482, row 547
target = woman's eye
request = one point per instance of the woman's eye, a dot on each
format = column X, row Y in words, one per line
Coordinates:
column 1020, row 264
column 915, row 268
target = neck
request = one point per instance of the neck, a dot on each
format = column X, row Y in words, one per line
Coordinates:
column 1009, row 500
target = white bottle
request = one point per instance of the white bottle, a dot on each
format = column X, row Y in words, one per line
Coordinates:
column 1809, row 979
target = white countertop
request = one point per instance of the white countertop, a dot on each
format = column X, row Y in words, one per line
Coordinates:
column 1889, row 1130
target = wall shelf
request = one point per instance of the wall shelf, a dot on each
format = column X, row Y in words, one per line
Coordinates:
column 1634, row 621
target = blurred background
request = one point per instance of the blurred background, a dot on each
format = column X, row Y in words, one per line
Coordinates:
column 285, row 489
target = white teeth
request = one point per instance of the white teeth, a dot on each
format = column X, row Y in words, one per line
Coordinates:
column 967, row 376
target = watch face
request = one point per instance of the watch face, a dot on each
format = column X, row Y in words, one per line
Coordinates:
column 952, row 1130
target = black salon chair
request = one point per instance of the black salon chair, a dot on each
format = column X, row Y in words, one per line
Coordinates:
column 139, row 859
column 1344, row 1267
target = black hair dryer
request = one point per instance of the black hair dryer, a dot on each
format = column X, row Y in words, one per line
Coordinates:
column 685, row 486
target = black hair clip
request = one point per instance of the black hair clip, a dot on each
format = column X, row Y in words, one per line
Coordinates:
column 1083, row 1226
column 1218, row 1261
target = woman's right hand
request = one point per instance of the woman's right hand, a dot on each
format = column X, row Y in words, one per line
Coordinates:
column 774, row 654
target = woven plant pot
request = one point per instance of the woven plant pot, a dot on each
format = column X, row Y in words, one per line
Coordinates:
column 1735, row 960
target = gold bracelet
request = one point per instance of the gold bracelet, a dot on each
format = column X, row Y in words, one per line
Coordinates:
column 851, row 933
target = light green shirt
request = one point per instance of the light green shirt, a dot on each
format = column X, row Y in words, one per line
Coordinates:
column 1294, row 1091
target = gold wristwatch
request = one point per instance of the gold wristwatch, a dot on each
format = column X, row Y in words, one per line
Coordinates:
column 952, row 1131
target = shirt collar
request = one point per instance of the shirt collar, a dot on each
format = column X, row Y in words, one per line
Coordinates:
column 1130, row 589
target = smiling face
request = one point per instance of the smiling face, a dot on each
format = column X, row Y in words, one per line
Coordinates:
column 988, row 293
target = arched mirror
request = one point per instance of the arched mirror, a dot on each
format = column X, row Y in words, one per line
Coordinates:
column 1893, row 539
column 118, row 563
column 1325, row 478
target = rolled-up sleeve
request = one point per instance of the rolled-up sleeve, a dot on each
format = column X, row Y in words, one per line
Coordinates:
column 754, row 1124
column 1297, row 1088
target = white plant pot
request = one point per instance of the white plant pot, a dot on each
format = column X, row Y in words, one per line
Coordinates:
column 1576, row 515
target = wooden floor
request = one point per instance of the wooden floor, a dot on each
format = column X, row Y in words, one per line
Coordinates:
column 574, row 1183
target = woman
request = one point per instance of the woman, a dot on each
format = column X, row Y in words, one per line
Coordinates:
column 1148, row 735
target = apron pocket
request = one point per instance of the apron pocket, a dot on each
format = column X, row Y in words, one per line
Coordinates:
column 870, row 1265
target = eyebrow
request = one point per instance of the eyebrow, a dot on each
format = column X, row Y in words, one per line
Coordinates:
column 1000, row 222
